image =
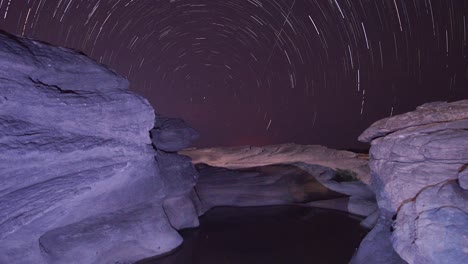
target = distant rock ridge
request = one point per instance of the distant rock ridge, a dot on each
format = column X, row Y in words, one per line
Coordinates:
column 418, row 163
column 251, row 156
column 80, row 181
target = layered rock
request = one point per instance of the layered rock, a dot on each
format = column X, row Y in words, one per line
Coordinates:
column 261, row 186
column 418, row 166
column 75, row 157
column 312, row 176
column 250, row 156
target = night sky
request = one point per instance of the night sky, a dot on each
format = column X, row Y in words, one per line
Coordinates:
column 267, row 71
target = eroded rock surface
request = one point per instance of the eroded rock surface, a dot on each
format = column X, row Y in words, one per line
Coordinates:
column 75, row 153
column 249, row 156
column 282, row 184
column 418, row 166
column 433, row 228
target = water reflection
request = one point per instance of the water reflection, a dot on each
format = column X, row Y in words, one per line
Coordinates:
column 274, row 234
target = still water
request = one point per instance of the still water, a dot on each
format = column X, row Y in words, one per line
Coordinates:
column 273, row 234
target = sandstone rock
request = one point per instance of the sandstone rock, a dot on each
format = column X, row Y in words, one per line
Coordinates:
column 260, row 186
column 361, row 206
column 180, row 205
column 430, row 113
column 330, row 179
column 463, row 176
column 172, row 134
column 74, row 145
column 370, row 221
column 432, row 228
column 409, row 160
column 179, row 174
column 123, row 236
column 248, row 156
column 62, row 69
column 411, row 157
column 376, row 248
column 282, row 184
column 47, row 85
column 181, row 212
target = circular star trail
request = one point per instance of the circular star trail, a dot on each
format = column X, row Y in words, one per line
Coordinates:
column 263, row 72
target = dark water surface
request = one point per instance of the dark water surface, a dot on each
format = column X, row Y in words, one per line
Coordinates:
column 274, row 234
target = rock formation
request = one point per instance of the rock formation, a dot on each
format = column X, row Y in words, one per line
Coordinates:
column 250, row 156
column 172, row 134
column 418, row 164
column 181, row 204
column 284, row 174
column 80, row 183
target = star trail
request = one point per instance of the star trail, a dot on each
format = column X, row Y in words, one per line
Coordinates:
column 263, row 72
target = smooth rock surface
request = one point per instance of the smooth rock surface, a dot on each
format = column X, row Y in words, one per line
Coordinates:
column 376, row 248
column 181, row 212
column 124, row 236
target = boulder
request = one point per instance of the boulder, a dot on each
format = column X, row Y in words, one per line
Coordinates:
column 75, row 153
column 172, row 134
column 181, row 212
column 179, row 174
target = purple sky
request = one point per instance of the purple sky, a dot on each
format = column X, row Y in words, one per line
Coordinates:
column 264, row 72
